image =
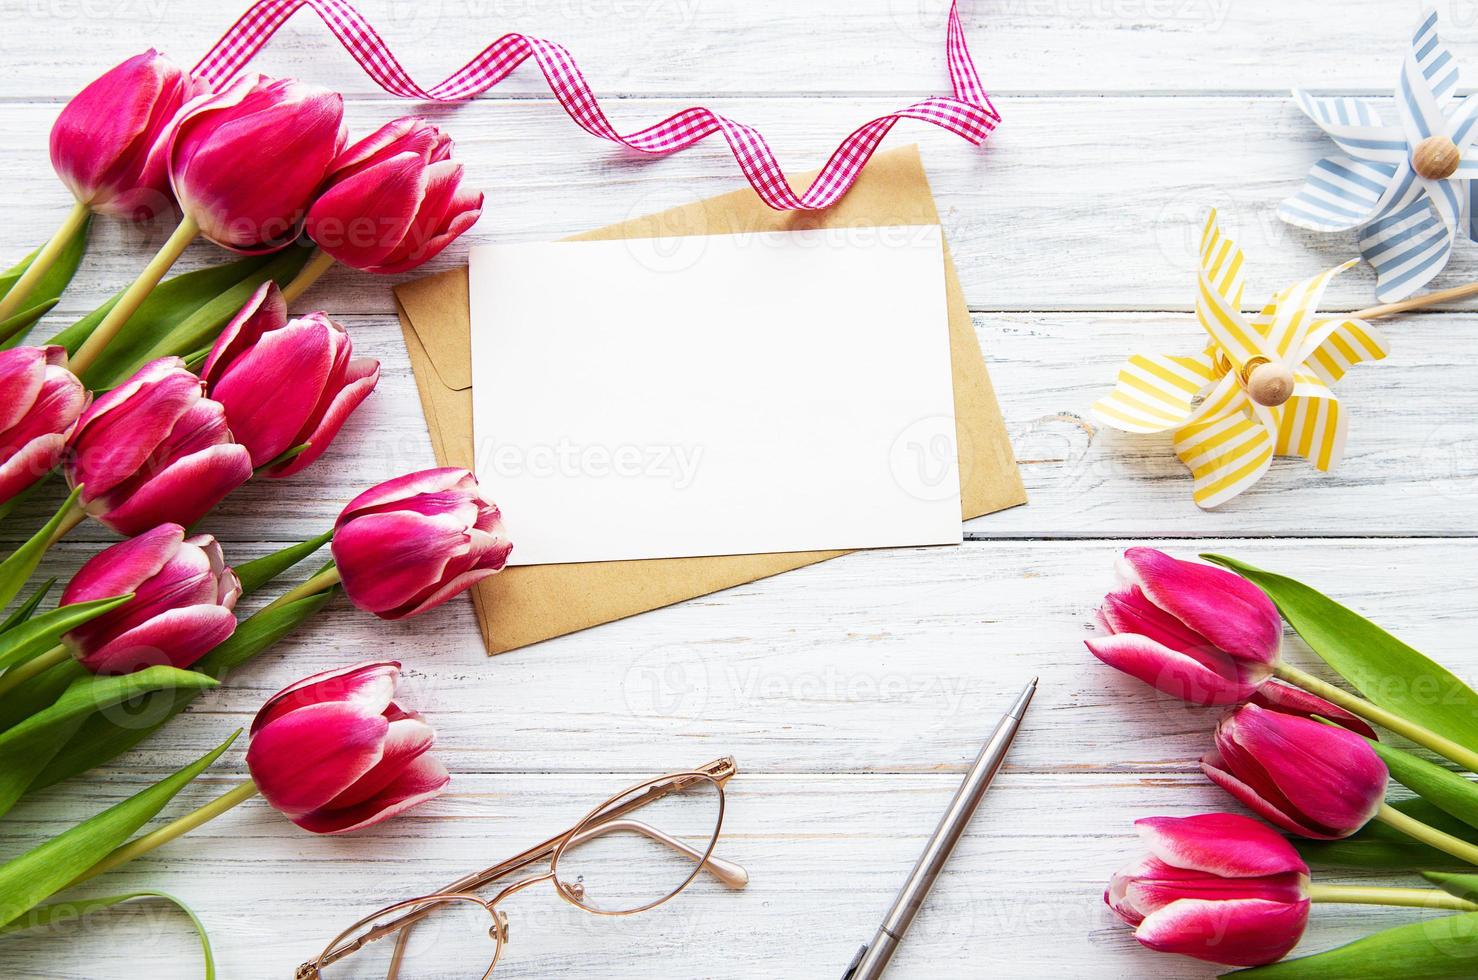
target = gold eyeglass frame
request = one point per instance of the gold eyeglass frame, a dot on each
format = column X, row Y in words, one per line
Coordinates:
column 604, row 819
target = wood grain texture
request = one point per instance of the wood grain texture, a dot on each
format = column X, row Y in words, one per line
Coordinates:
column 854, row 692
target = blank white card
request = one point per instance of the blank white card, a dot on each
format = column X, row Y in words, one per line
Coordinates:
column 737, row 394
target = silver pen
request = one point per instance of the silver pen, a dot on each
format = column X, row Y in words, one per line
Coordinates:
column 871, row 960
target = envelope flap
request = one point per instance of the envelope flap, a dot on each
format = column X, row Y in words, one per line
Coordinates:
column 436, row 308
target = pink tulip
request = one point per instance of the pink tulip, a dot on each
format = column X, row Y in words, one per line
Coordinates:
column 181, row 609
column 245, row 162
column 414, row 542
column 108, row 145
column 395, row 200
column 1310, row 779
column 1218, row 887
column 155, row 450
column 1198, row 632
column 335, row 753
column 285, row 383
column 40, row 402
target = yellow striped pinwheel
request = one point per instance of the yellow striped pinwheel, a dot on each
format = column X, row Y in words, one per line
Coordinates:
column 1260, row 389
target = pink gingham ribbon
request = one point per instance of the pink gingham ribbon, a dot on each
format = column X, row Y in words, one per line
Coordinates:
column 969, row 113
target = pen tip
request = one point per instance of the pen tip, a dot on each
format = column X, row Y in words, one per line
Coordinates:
column 1023, row 699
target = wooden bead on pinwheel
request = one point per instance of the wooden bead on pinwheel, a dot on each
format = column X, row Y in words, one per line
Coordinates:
column 1435, row 158
column 1268, row 382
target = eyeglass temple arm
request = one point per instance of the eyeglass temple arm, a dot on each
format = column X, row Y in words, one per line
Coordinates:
column 727, row 872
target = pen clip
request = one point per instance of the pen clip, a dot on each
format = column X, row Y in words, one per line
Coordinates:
column 856, row 961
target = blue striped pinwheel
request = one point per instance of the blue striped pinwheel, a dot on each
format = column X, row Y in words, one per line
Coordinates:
column 1407, row 187
column 1260, row 388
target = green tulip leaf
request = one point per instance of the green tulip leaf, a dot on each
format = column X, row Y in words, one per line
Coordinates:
column 1442, row 787
column 43, row 632
column 51, row 285
column 13, row 327
column 28, row 608
column 61, row 914
column 1432, row 949
column 1380, row 847
column 102, row 738
column 1381, row 667
column 26, row 748
column 1462, row 885
column 259, row 571
column 181, row 315
column 45, row 870
column 16, row 569
column 38, row 692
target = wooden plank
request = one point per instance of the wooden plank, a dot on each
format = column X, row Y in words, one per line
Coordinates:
column 629, row 47
column 886, row 661
column 1019, row 899
column 1027, row 217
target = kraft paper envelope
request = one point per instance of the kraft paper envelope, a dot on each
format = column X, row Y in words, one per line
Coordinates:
column 526, row 604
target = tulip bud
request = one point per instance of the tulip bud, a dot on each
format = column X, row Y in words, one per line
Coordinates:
column 395, row 200
column 154, row 450
column 1218, row 886
column 285, row 383
column 1309, row 778
column 40, row 402
column 109, row 143
column 335, row 753
column 245, row 162
column 183, row 596
column 1198, row 632
column 413, row 542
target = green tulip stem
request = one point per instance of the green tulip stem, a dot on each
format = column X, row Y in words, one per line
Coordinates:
column 324, row 580
column 20, row 673
column 318, row 263
column 1425, row 737
column 133, row 297
column 143, row 845
column 1414, row 898
column 1430, row 836
column 69, row 520
column 12, row 301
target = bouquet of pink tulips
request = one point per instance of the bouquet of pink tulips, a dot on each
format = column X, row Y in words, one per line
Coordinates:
column 1302, row 754
column 162, row 402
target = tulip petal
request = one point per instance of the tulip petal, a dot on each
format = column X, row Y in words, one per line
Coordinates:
column 1174, row 672
column 30, row 463
column 185, row 492
column 406, row 740
column 362, row 375
column 120, row 431
column 22, row 370
column 493, row 561
column 175, row 638
column 420, row 781
column 1296, row 701
column 383, row 558
column 1247, row 932
column 1256, row 799
column 271, row 390
column 123, row 567
column 369, row 685
column 1228, row 610
column 305, row 758
column 363, row 217
column 265, row 310
column 1224, row 844
column 402, row 488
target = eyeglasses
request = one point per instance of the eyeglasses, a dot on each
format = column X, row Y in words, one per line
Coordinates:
column 608, row 863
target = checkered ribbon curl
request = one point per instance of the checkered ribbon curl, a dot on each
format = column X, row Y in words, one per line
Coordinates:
column 969, row 113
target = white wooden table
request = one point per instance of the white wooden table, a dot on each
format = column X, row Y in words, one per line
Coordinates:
column 854, row 692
